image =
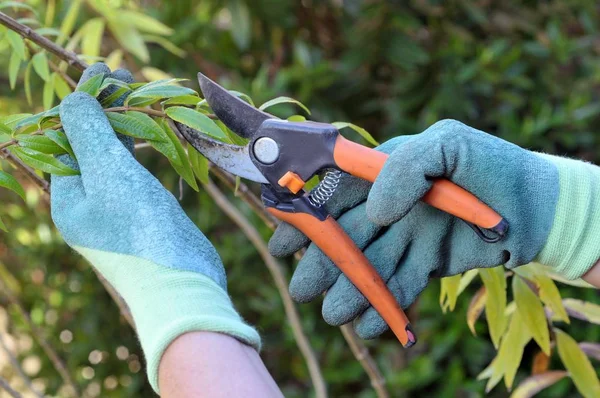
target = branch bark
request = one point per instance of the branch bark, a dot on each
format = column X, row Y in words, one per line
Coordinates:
column 6, row 387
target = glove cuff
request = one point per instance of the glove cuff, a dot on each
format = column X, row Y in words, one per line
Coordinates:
column 166, row 303
column 573, row 245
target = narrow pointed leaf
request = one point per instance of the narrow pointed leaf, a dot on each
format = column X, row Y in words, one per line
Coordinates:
column 534, row 384
column 69, row 21
column 40, row 143
column 27, row 83
column 166, row 44
column 61, row 88
column 61, row 140
column 3, row 226
column 285, row 100
column 48, row 94
column 577, row 363
column 40, row 65
column 114, row 59
column 129, row 37
column 92, row 40
column 43, row 162
column 199, row 164
column 362, row 132
column 14, row 64
column 513, row 345
column 196, row 120
column 9, row 182
column 551, row 296
column 135, row 124
column 583, row 310
column 145, row 23
column 16, row 42
column 92, row 85
column 476, row 308
column 495, row 285
column 466, row 279
column 532, row 312
column 174, row 151
column 160, row 92
column 183, row 100
column 449, row 292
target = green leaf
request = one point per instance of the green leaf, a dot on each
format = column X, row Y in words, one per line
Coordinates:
column 129, row 37
column 12, row 120
column 362, row 132
column 69, row 22
column 27, row 83
column 159, row 92
column 2, row 226
column 495, row 284
column 17, row 5
column 532, row 312
column 476, row 308
column 166, row 44
column 40, row 64
column 182, row 100
column 577, row 363
column 296, row 118
column 583, row 310
column 180, row 161
column 551, row 296
column 16, row 42
column 40, row 143
column 114, row 59
column 92, row 39
column 61, row 140
column 92, row 85
column 50, row 12
column 466, row 279
column 136, row 124
column 47, row 32
column 43, row 162
column 449, row 292
column 283, row 100
column 241, row 23
column 118, row 93
column 550, row 272
column 513, row 344
column 196, row 120
column 48, row 94
column 61, row 88
column 243, row 96
column 145, row 23
column 10, row 182
column 4, row 129
column 13, row 69
column 536, row 383
column 199, row 164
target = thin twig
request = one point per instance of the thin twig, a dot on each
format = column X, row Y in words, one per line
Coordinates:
column 5, row 386
column 17, row 366
column 55, row 68
column 39, row 337
column 277, row 272
column 26, row 32
column 28, row 171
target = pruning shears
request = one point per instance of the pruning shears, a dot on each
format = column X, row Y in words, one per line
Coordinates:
column 283, row 155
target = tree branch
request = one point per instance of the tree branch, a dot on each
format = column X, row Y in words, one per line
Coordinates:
column 17, row 367
column 277, row 272
column 26, row 32
column 5, row 386
column 39, row 337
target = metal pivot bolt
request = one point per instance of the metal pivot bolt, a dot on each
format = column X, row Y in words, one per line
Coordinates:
column 266, row 150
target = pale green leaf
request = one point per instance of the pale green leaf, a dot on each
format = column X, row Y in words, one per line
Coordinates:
column 43, row 162
column 182, row 100
column 27, row 83
column 551, row 296
column 199, row 164
column 195, row 120
column 69, row 21
column 362, row 132
column 114, row 59
column 145, row 23
column 92, row 39
column 14, row 65
column 17, row 43
column 159, row 92
column 50, row 12
column 109, row 81
column 61, row 88
column 513, row 344
column 12, row 120
column 550, row 272
column 92, row 85
column 9, row 182
column 532, row 312
column 284, row 100
column 449, row 292
column 47, row 32
column 583, row 310
column 495, row 284
column 40, row 65
column 28, row 21
column 3, row 226
column 476, row 308
column 129, row 37
column 48, row 94
column 578, row 365
column 243, row 96
column 166, row 44
column 536, row 383
column 61, row 140
column 466, row 279
column 136, row 124
column 241, row 23
column 4, row 129
column 40, row 143
column 153, row 74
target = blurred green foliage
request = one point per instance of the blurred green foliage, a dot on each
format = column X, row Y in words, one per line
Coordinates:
column 525, row 71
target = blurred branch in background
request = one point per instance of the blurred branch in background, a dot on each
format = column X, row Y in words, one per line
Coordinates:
column 6, row 387
column 17, row 366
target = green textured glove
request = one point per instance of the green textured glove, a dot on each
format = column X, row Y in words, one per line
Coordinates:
column 128, row 226
column 551, row 204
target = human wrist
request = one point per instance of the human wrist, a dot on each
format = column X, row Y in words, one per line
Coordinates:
column 166, row 303
column 573, row 245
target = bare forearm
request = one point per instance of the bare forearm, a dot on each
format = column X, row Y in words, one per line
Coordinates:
column 593, row 275
column 204, row 364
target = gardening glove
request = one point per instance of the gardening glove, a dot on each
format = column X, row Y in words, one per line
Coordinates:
column 127, row 225
column 551, row 204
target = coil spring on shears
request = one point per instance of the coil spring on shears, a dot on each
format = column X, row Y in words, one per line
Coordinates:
column 326, row 188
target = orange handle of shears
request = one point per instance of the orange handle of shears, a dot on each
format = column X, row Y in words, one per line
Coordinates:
column 366, row 163
column 337, row 245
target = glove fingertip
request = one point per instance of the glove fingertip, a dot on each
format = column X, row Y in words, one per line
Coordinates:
column 370, row 325
column 123, row 75
column 99, row 68
column 286, row 241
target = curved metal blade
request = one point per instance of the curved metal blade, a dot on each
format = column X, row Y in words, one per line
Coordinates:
column 241, row 117
column 231, row 158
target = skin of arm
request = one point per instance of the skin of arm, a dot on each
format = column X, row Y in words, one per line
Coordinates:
column 593, row 275
column 206, row 364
